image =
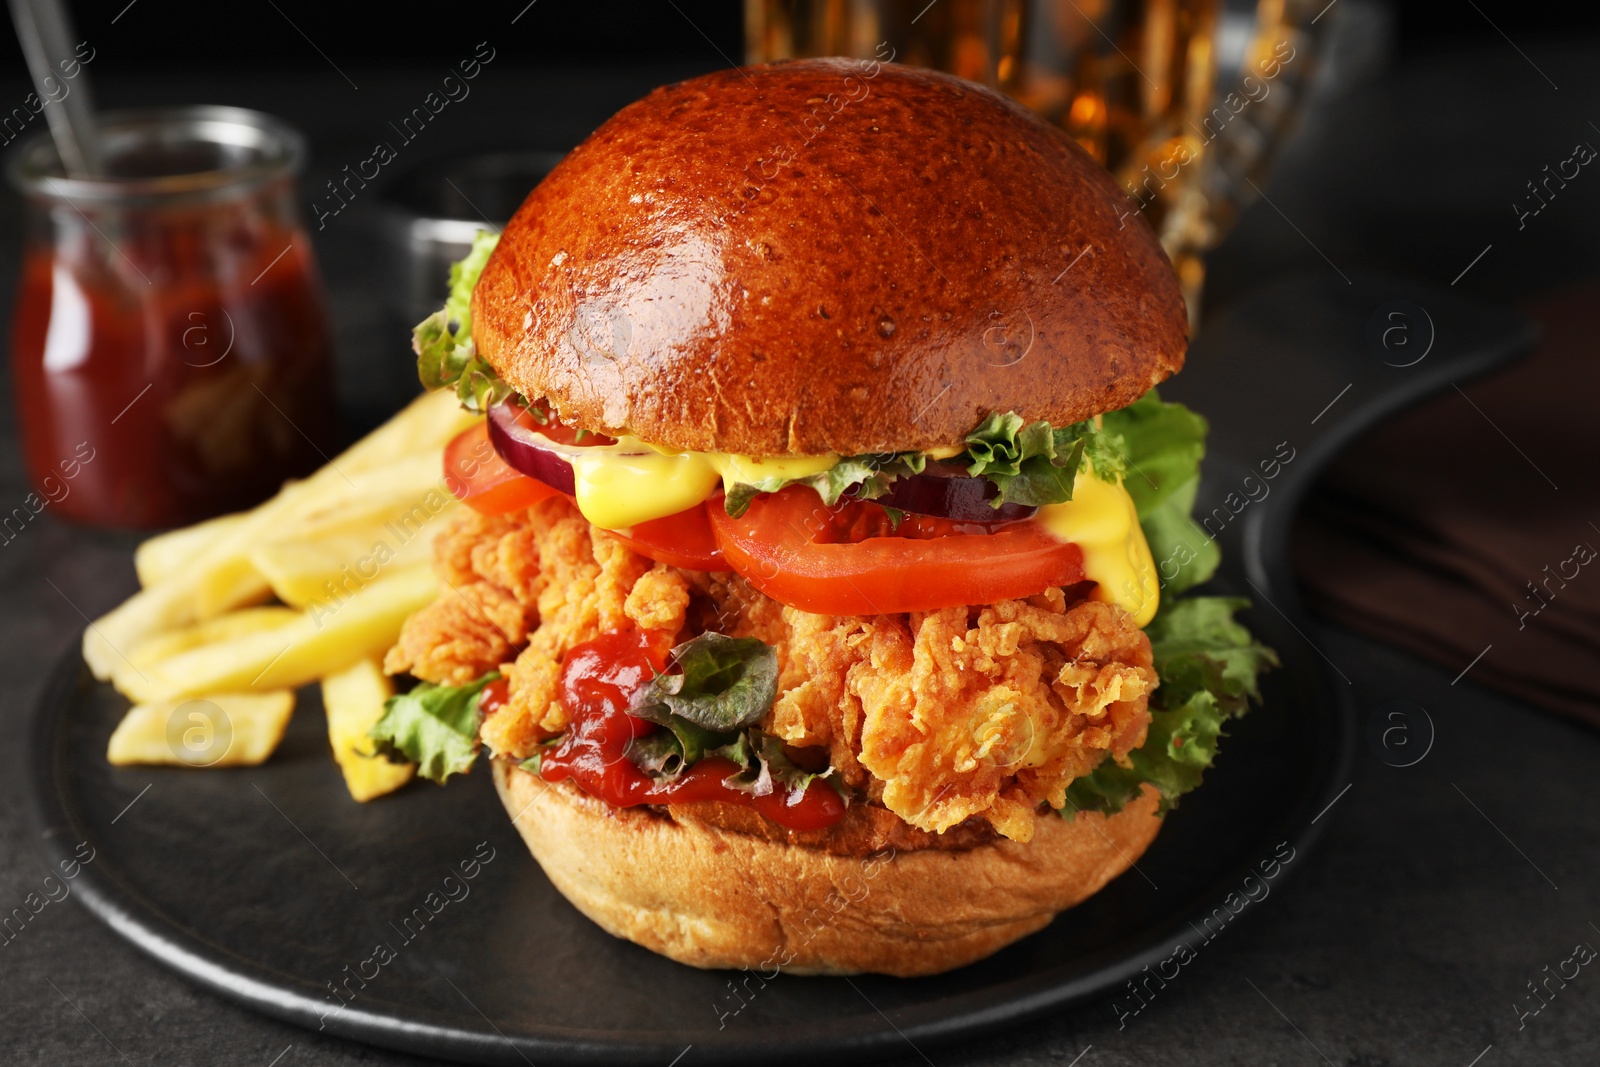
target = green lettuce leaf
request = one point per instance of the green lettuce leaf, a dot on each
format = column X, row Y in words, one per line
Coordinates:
column 1162, row 445
column 766, row 768
column 1154, row 446
column 446, row 354
column 1209, row 666
column 1208, row 663
column 659, row 755
column 433, row 726
column 1185, row 555
column 1180, row 745
column 535, row 761
column 1034, row 463
column 1200, row 648
column 682, row 744
column 667, row 753
column 762, row 765
column 868, row 476
column 783, row 772
column 1031, row 463
column 724, row 683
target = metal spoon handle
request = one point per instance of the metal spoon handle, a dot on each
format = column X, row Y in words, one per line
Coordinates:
column 45, row 30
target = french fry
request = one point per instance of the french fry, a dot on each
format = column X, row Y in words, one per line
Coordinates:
column 353, row 699
column 408, row 491
column 234, row 624
column 164, row 555
column 304, row 572
column 319, row 643
column 393, row 470
column 220, row 730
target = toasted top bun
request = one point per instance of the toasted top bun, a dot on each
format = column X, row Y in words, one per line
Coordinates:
column 827, row 256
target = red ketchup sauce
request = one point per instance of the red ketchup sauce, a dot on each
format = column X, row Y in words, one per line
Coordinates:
column 494, row 696
column 599, row 681
column 185, row 373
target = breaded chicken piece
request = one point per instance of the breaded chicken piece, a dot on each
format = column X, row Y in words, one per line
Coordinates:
column 478, row 620
column 987, row 711
column 940, row 716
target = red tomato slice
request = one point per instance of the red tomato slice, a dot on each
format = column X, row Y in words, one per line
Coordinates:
column 682, row 540
column 483, row 481
column 804, row 554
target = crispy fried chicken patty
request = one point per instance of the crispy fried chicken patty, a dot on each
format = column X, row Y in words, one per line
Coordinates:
column 940, row 716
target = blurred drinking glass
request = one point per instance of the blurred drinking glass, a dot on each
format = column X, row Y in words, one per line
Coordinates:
column 1132, row 81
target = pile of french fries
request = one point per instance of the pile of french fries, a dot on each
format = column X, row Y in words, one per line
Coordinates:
column 211, row 663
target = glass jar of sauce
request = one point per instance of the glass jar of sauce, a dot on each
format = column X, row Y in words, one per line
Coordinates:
column 170, row 346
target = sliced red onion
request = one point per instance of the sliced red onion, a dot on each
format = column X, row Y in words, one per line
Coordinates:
column 951, row 495
column 527, row 450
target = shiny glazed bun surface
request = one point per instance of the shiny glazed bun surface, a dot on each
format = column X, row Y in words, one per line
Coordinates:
column 827, row 256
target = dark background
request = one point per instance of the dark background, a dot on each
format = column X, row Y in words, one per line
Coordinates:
column 196, row 33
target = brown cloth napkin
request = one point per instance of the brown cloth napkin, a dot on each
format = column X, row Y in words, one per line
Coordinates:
column 1469, row 526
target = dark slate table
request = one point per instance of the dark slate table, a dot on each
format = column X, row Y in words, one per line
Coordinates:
column 1410, row 932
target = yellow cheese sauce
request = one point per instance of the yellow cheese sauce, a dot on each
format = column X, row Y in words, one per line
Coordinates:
column 1102, row 520
column 616, row 490
column 620, row 486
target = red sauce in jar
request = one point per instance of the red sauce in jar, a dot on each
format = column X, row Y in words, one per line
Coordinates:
column 599, row 682
column 185, row 372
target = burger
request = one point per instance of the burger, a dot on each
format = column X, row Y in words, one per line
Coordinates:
column 817, row 601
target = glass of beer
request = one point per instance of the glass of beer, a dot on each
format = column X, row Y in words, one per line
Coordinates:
column 1132, row 81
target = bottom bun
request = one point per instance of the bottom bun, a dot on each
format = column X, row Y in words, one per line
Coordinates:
column 711, row 897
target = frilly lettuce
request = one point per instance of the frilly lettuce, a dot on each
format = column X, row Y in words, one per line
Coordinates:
column 1207, row 662
column 710, row 707
column 721, row 683
column 761, row 765
column 1035, row 464
column 1030, row 463
column 866, row 477
column 446, row 354
column 1161, row 446
column 433, row 726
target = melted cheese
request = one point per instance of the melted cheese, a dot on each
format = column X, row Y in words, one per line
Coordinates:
column 746, row 469
column 1102, row 520
column 616, row 490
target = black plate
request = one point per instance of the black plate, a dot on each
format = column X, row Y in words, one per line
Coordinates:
column 269, row 886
